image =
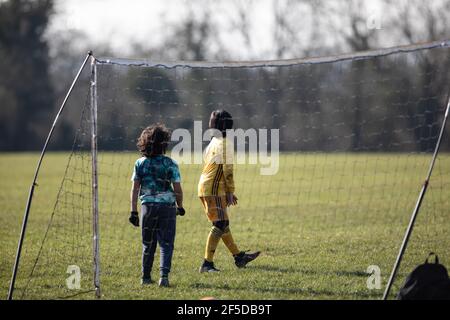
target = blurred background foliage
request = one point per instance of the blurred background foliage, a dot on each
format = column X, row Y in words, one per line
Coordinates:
column 37, row 66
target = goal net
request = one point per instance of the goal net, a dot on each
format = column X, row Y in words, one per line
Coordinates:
column 326, row 196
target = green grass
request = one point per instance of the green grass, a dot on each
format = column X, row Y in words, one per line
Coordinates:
column 320, row 222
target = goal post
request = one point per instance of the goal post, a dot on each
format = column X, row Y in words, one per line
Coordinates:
column 34, row 182
column 95, row 220
column 354, row 133
column 410, row 227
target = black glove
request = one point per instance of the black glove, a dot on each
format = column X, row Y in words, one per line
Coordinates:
column 180, row 211
column 134, row 218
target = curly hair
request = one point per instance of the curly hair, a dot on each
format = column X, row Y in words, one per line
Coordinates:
column 153, row 140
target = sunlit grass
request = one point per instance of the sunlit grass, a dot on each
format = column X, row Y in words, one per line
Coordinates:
column 320, row 222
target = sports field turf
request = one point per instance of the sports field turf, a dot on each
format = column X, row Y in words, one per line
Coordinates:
column 320, row 222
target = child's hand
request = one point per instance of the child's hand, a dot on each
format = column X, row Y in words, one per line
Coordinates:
column 231, row 199
column 181, row 211
column 134, row 218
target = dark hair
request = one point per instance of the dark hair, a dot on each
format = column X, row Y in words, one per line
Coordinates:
column 153, row 140
column 221, row 120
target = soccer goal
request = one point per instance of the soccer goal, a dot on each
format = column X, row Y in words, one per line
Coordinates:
column 356, row 135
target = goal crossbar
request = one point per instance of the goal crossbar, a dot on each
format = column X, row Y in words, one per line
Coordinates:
column 275, row 63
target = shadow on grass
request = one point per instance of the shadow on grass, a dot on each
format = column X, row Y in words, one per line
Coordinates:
column 291, row 269
column 227, row 287
column 299, row 291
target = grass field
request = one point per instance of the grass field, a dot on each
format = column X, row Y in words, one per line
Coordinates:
column 320, row 222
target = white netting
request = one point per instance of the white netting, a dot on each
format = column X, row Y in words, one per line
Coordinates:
column 356, row 132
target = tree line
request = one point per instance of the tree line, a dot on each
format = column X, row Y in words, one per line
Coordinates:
column 390, row 103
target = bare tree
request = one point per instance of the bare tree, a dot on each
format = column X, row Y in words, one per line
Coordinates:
column 421, row 21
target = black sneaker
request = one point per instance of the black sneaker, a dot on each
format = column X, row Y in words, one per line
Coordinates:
column 242, row 258
column 146, row 281
column 208, row 267
column 164, row 282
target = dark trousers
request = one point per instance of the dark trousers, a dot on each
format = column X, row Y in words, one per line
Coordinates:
column 158, row 226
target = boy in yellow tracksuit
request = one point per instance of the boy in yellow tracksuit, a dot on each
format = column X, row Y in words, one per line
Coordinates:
column 216, row 192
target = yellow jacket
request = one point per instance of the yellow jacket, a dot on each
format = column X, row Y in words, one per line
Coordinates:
column 217, row 175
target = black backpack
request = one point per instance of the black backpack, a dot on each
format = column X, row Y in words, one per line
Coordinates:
column 428, row 281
